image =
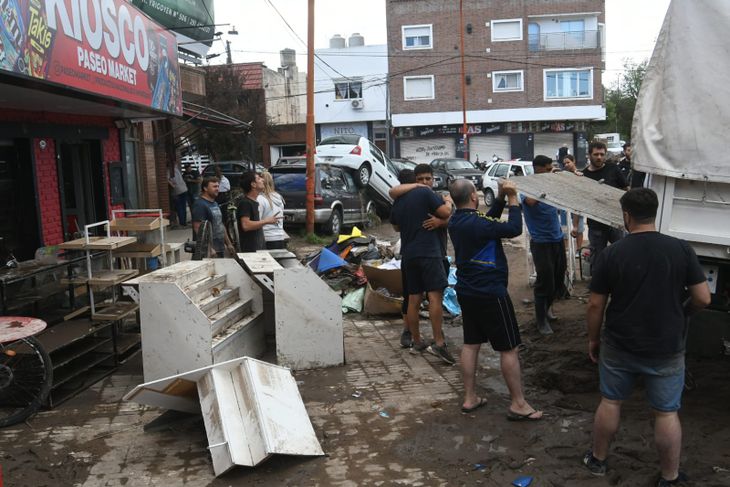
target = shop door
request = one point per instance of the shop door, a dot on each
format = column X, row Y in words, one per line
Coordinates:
column 426, row 150
column 549, row 144
column 19, row 225
column 485, row 147
column 82, row 186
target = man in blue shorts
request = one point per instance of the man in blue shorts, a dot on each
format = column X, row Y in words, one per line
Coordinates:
column 654, row 281
column 481, row 287
column 422, row 261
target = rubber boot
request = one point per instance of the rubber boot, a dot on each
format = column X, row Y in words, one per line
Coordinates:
column 541, row 306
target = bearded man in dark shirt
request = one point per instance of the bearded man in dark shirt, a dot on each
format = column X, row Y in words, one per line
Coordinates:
column 600, row 234
column 648, row 277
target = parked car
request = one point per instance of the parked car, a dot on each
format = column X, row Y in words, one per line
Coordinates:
column 289, row 160
column 447, row 170
column 233, row 170
column 338, row 202
column 401, row 164
column 502, row 169
column 373, row 168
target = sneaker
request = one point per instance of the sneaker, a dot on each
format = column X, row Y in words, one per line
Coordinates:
column 406, row 339
column 442, row 353
column 418, row 347
column 682, row 477
column 594, row 465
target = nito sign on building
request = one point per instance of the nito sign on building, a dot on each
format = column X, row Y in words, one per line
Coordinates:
column 353, row 128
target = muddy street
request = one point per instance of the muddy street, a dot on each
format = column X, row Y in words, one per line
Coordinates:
column 389, row 417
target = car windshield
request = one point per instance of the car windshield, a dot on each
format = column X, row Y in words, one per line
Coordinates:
column 341, row 140
column 459, row 164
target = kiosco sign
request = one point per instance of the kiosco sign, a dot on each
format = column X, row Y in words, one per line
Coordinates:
column 106, row 47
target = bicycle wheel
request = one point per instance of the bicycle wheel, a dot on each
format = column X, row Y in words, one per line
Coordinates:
column 202, row 241
column 26, row 375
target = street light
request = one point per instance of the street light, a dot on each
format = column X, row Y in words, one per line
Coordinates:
column 216, row 38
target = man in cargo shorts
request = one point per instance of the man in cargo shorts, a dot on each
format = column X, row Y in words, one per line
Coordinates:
column 423, row 259
column 648, row 277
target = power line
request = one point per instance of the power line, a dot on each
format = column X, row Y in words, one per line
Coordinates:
column 300, row 39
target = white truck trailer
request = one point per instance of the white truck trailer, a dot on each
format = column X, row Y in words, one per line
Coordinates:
column 681, row 140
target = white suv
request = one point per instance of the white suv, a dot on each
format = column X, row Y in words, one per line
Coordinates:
column 502, row 169
column 373, row 168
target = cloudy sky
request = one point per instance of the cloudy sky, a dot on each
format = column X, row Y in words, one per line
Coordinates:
column 631, row 28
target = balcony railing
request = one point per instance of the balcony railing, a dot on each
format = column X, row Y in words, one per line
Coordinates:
column 562, row 41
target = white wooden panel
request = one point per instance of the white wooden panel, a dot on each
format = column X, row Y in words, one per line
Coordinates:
column 282, row 415
column 212, row 407
column 308, row 318
column 175, row 332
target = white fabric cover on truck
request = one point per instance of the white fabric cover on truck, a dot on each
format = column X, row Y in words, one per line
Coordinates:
column 682, row 123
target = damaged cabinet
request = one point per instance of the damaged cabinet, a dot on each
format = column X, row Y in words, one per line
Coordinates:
column 197, row 313
column 251, row 410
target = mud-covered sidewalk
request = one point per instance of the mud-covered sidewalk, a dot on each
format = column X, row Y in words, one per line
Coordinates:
column 390, row 418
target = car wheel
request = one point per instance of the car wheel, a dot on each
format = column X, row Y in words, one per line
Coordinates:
column 363, row 175
column 371, row 215
column 334, row 224
column 488, row 197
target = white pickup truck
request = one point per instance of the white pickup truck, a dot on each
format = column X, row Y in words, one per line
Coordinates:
column 680, row 137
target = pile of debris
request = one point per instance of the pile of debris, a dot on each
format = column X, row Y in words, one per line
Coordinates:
column 366, row 272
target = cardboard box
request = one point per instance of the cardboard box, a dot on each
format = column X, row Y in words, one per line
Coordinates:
column 377, row 303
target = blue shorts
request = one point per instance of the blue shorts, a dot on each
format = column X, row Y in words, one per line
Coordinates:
column 663, row 378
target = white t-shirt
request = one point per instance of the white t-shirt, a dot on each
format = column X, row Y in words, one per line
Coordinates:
column 225, row 185
column 272, row 232
column 179, row 186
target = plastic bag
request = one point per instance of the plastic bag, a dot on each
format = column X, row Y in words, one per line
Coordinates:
column 451, row 304
column 353, row 301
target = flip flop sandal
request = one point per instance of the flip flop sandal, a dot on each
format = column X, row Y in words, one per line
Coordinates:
column 511, row 416
column 482, row 402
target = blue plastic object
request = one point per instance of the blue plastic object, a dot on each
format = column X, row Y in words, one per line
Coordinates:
column 522, row 481
column 329, row 260
column 451, row 304
column 452, row 276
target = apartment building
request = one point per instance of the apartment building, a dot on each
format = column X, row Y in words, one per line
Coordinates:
column 350, row 89
column 532, row 77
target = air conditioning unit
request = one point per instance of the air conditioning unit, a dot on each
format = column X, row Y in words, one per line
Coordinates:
column 358, row 104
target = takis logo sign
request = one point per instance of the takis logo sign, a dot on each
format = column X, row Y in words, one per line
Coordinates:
column 106, row 47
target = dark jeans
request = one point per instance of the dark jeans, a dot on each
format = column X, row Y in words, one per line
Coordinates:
column 181, row 207
column 600, row 236
column 550, row 264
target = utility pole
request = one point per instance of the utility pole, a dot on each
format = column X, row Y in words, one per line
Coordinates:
column 310, row 120
column 464, row 131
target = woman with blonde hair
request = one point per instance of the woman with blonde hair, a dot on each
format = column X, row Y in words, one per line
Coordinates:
column 271, row 203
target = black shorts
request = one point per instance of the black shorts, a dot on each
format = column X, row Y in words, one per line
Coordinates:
column 404, row 285
column 489, row 319
column 424, row 274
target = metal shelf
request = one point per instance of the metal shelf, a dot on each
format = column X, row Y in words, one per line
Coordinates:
column 78, row 366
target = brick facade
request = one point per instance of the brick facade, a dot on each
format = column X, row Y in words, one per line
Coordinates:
column 49, row 202
column 482, row 55
column 46, row 163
